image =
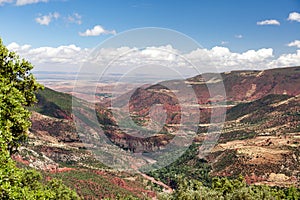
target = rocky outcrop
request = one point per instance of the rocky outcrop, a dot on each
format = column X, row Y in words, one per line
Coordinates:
column 137, row 144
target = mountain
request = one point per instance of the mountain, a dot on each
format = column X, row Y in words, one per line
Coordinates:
column 260, row 138
column 238, row 86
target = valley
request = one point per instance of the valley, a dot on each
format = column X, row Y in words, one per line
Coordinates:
column 259, row 138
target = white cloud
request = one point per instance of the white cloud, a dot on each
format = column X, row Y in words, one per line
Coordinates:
column 75, row 18
column 294, row 16
column 295, row 43
column 46, row 19
column 25, row 2
column 43, row 20
column 15, row 47
column 2, row 2
column 48, row 58
column 239, row 36
column 269, row 22
column 225, row 60
column 292, row 59
column 63, row 58
column 97, row 30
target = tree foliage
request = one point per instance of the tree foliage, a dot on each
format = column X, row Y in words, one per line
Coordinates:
column 229, row 189
column 188, row 165
column 17, row 90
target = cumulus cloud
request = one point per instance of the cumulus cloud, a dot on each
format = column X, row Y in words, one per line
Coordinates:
column 46, row 19
column 239, row 36
column 122, row 58
column 15, row 47
column 294, row 16
column 25, row 2
column 97, row 30
column 268, row 22
column 295, row 43
column 75, row 18
column 225, row 60
column 291, row 59
column 52, row 58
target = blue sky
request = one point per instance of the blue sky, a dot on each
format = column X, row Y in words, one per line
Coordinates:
column 237, row 25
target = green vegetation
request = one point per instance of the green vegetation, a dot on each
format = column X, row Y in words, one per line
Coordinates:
column 89, row 184
column 191, row 180
column 226, row 189
column 187, row 166
column 17, row 90
column 245, row 108
column 17, row 87
column 64, row 101
column 28, row 184
column 236, row 135
column 50, row 102
column 55, row 104
column 229, row 157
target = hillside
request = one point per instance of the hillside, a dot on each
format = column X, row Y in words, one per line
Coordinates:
column 239, row 86
column 53, row 104
column 260, row 138
column 55, row 148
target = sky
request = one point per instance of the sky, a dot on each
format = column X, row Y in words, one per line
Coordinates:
column 59, row 35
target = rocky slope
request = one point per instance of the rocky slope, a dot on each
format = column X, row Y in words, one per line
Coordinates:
column 260, row 138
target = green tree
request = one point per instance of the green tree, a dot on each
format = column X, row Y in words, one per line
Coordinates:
column 17, row 90
column 228, row 189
